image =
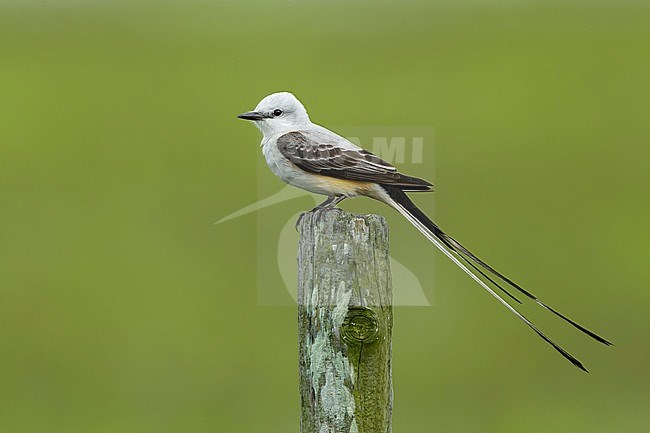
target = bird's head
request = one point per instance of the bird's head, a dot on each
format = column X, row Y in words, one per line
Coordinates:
column 278, row 113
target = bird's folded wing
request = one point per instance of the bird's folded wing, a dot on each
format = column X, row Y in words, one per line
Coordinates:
column 325, row 154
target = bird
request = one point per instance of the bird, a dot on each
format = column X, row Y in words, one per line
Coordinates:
column 313, row 158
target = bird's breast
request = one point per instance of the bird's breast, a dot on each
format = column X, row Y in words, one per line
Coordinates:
column 312, row 182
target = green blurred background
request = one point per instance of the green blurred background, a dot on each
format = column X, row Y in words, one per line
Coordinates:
column 123, row 308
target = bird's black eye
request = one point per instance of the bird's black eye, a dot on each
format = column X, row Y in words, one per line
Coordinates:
column 277, row 112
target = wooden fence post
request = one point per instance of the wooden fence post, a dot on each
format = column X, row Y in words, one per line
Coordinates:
column 345, row 323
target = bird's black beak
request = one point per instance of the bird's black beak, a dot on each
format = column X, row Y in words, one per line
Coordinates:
column 251, row 115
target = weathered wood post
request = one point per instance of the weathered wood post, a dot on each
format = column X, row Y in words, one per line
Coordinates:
column 345, row 323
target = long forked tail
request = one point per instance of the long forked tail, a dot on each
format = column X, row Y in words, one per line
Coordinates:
column 397, row 198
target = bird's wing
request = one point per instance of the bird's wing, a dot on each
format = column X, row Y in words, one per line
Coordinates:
column 331, row 155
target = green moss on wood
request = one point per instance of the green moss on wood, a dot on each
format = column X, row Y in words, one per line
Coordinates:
column 343, row 269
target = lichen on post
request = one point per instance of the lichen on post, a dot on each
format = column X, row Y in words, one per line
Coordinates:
column 345, row 323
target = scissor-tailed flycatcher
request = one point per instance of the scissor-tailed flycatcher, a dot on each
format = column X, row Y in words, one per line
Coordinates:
column 315, row 159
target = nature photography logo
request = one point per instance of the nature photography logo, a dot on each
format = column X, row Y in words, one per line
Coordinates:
column 277, row 238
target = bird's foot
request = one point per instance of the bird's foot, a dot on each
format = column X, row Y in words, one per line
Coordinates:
column 318, row 214
column 299, row 220
column 329, row 204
